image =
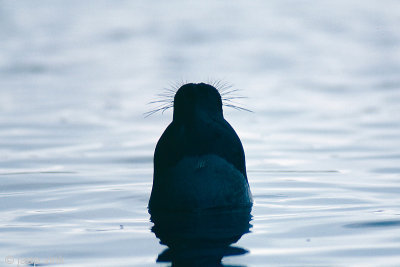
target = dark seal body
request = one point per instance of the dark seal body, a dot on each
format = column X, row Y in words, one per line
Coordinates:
column 199, row 162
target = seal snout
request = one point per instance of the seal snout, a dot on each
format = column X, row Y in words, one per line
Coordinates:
column 192, row 99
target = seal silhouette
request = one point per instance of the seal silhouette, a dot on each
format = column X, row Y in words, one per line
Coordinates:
column 199, row 161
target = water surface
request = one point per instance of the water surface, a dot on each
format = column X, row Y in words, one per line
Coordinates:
column 322, row 144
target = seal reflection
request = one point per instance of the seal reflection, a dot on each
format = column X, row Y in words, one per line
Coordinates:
column 201, row 238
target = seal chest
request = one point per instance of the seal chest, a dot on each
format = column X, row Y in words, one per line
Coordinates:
column 199, row 162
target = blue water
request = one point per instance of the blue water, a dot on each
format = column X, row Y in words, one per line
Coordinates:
column 322, row 144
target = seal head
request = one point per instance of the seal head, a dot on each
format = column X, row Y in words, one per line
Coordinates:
column 199, row 162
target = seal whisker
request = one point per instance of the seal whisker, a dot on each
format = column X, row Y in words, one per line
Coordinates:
column 165, row 108
column 165, row 104
column 165, row 99
column 212, row 82
column 238, row 108
column 232, row 102
column 151, row 112
column 230, row 92
column 174, row 85
column 161, row 101
column 162, row 97
column 220, row 85
column 233, row 97
column 172, row 91
column 217, row 84
column 229, row 95
column 225, row 86
column 166, row 95
column 228, row 102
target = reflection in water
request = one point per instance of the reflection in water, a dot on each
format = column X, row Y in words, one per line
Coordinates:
column 200, row 239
